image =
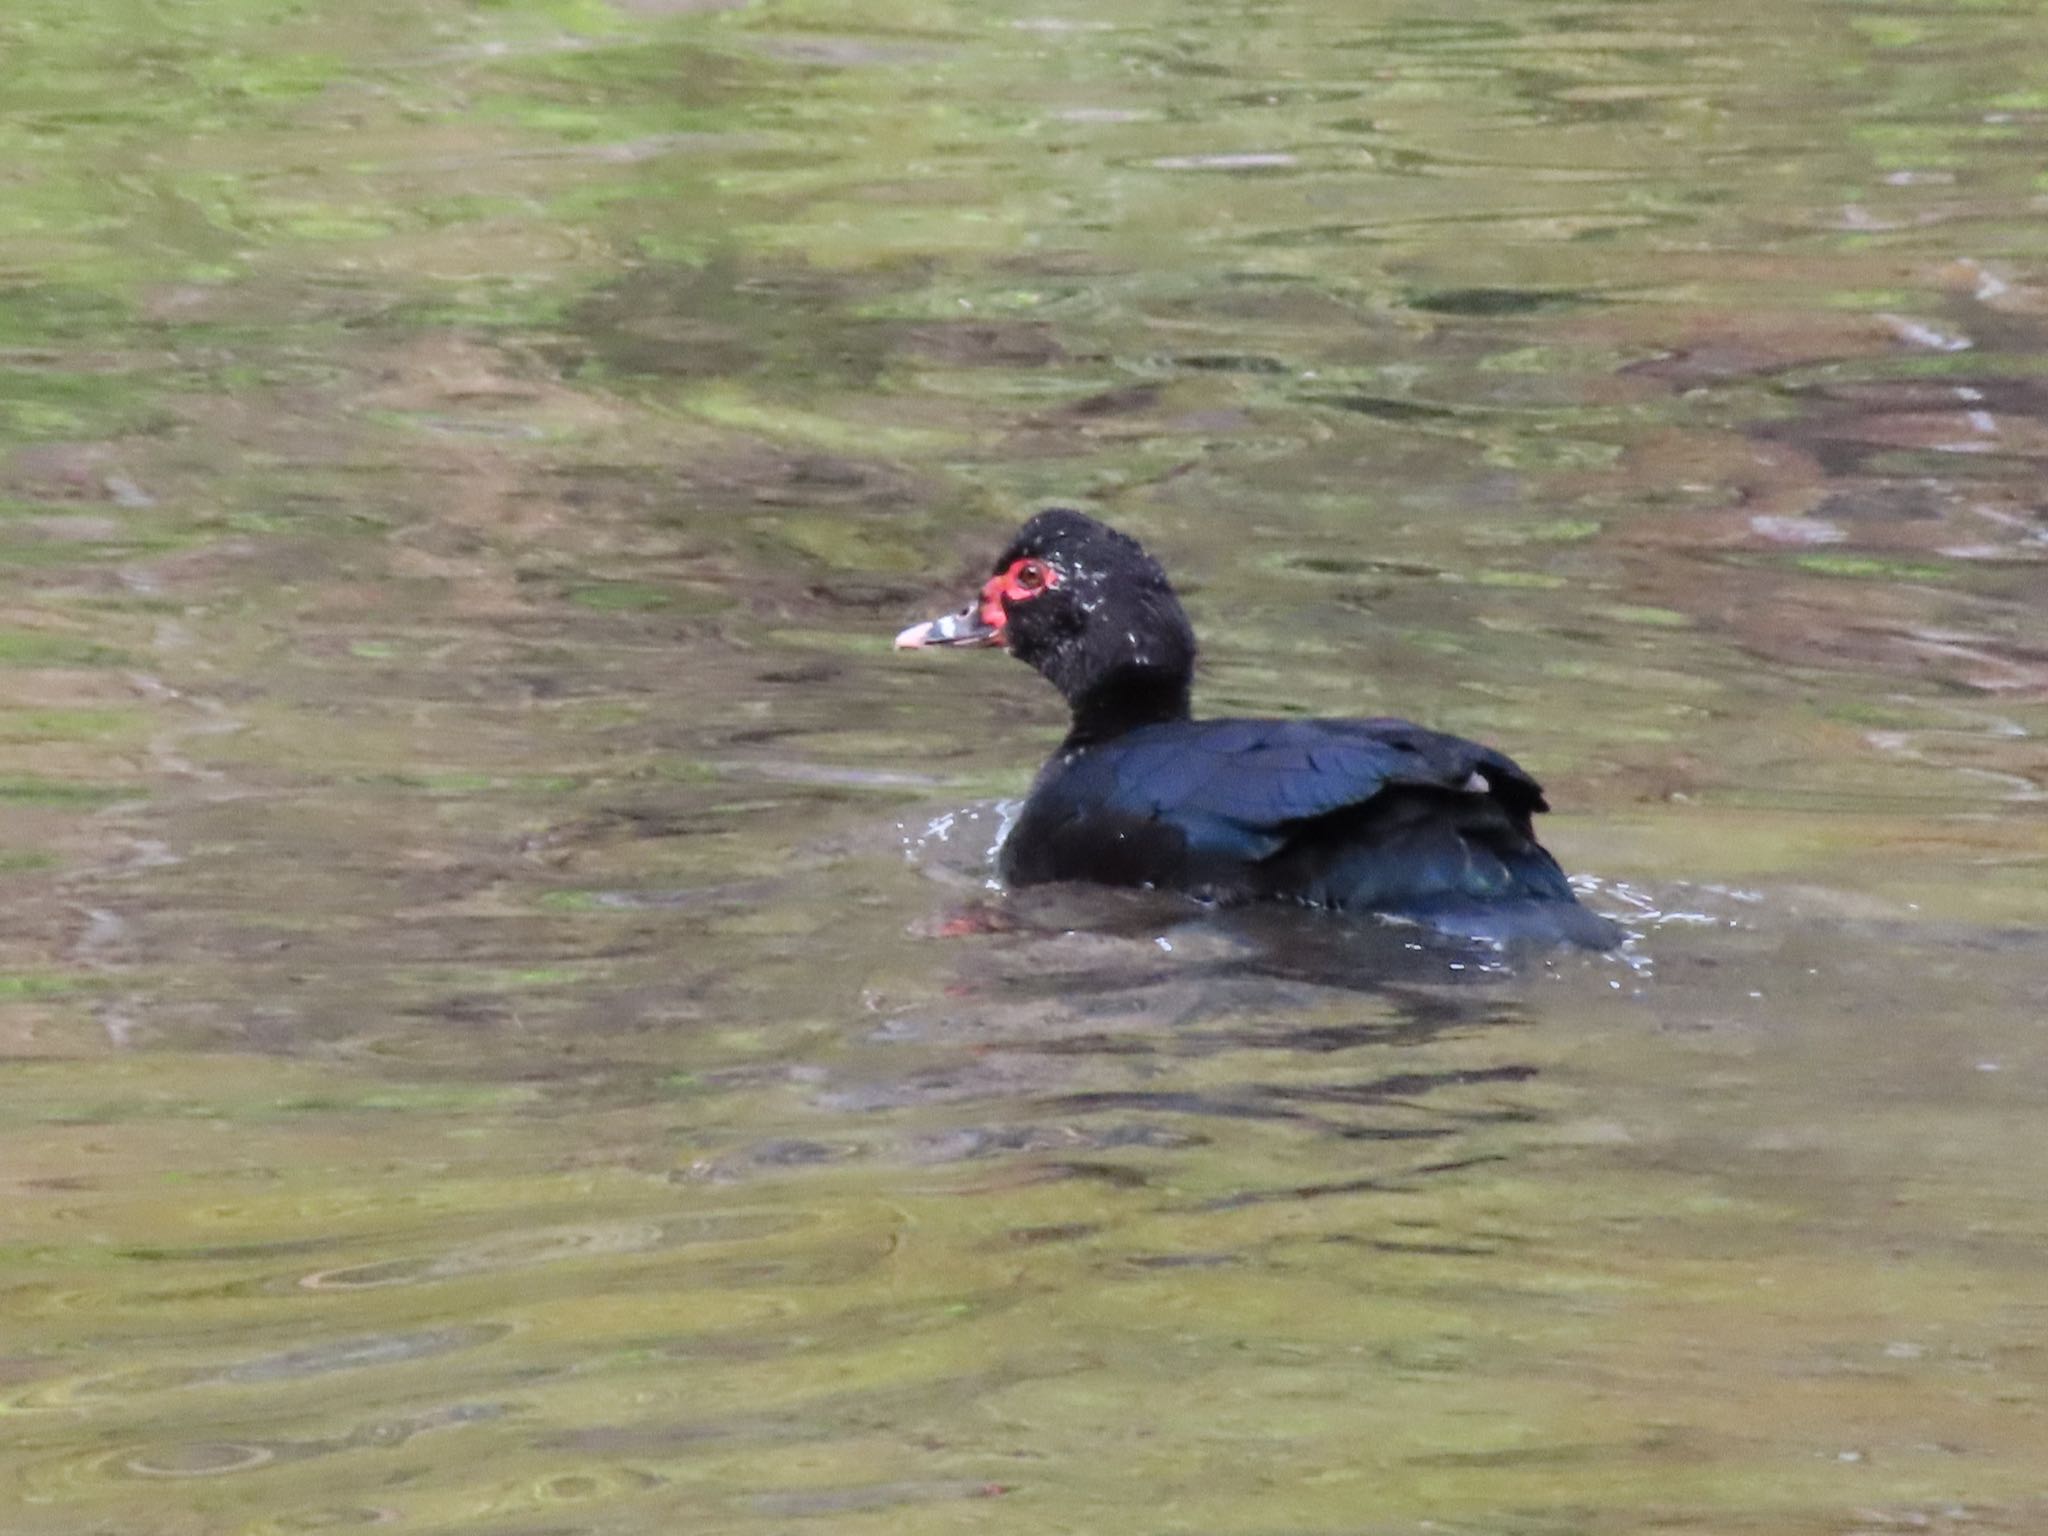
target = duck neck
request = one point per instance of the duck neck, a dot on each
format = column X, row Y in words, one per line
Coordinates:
column 1125, row 699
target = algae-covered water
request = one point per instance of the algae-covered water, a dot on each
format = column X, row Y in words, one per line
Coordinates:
column 504, row 1024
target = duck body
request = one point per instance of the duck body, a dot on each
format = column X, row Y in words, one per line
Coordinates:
column 1376, row 816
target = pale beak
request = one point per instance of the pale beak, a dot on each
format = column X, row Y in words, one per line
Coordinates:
column 964, row 628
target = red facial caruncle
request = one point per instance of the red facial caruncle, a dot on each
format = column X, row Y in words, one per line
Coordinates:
column 1023, row 580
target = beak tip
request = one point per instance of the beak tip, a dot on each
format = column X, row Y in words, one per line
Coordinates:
column 954, row 629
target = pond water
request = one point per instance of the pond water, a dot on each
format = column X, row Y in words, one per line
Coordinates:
column 504, row 1022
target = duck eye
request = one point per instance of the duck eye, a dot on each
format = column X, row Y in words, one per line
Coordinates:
column 1030, row 575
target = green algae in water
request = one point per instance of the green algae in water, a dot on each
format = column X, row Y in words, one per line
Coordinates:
column 23, row 789
column 1866, row 566
column 37, row 648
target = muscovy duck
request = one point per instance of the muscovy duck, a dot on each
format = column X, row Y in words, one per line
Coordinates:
column 1374, row 816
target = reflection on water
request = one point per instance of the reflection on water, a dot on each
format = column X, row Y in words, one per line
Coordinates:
column 507, row 1025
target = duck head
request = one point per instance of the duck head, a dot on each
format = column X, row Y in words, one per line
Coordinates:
column 1089, row 610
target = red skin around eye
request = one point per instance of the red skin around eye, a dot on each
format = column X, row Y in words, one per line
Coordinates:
column 1006, row 588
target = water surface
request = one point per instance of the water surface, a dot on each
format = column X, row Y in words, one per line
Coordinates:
column 504, row 1022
